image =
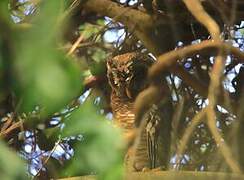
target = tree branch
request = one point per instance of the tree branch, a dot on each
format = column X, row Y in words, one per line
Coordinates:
column 168, row 60
column 147, row 29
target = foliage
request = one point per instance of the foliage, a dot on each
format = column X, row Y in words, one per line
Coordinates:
column 55, row 99
column 11, row 165
column 44, row 81
column 40, row 68
column 96, row 146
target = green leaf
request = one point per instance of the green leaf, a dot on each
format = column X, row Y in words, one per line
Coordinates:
column 4, row 14
column 100, row 22
column 99, row 55
column 88, row 30
column 98, row 64
column 100, row 151
column 45, row 76
column 11, row 167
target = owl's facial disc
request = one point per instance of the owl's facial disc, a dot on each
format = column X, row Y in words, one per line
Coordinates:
column 127, row 74
column 122, row 75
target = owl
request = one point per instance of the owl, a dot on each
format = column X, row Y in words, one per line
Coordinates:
column 127, row 76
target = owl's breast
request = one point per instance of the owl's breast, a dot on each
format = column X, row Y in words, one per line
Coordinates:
column 123, row 112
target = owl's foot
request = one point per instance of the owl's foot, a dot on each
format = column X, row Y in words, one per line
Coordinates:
column 157, row 169
column 146, row 169
column 141, row 167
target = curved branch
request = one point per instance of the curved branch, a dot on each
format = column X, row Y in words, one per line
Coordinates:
column 215, row 83
column 168, row 60
column 145, row 28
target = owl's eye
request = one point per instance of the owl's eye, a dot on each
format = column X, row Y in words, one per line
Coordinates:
column 128, row 78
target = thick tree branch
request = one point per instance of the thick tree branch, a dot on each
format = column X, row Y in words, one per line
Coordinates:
column 137, row 21
column 166, row 175
column 155, row 33
column 146, row 28
column 168, row 60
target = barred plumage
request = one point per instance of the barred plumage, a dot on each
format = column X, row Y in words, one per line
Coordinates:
column 127, row 77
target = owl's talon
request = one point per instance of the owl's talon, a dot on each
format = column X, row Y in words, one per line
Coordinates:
column 145, row 169
column 157, row 169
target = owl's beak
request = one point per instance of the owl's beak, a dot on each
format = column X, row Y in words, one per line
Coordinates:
column 127, row 91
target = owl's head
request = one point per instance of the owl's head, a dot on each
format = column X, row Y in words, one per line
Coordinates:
column 127, row 74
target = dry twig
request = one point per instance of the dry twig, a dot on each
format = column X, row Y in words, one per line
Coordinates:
column 188, row 132
column 195, row 7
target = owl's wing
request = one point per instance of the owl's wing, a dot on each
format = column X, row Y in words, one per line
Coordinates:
column 153, row 121
column 158, row 129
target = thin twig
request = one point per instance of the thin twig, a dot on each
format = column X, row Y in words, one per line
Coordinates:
column 195, row 7
column 76, row 44
column 46, row 160
column 224, row 149
column 11, row 128
column 188, row 132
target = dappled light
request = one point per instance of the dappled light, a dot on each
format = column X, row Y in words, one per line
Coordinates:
column 121, row 89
